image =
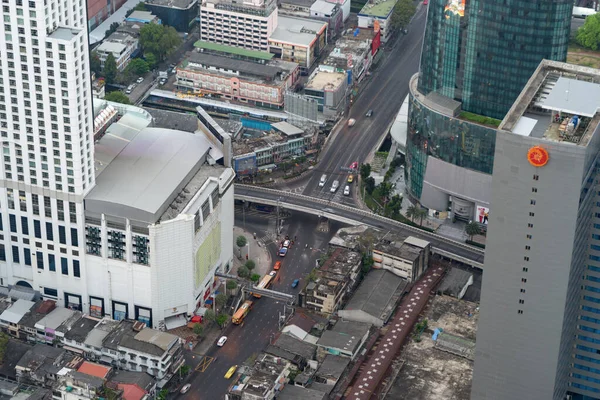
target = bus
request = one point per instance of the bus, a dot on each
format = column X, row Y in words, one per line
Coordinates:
column 264, row 284
column 241, row 313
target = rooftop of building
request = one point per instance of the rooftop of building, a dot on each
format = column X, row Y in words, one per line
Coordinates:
column 253, row 140
column 47, row 358
column 332, row 367
column 409, row 249
column 16, row 311
column 40, row 310
column 119, row 36
column 67, row 34
column 273, row 71
column 68, row 322
column 81, row 329
column 263, row 376
column 93, row 369
column 335, row 270
column 294, row 346
column 142, row 15
column 14, row 351
column 297, row 31
column 323, row 6
column 131, row 335
column 82, row 380
column 377, row 294
column 559, row 103
column 302, row 321
column 454, row 281
column 230, row 126
column 111, row 47
column 100, row 332
column 143, row 173
column 173, row 120
column 287, row 129
column 140, row 379
column 324, row 80
column 293, row 392
column 378, row 8
column 234, row 51
column 183, row 4
column 298, row 3
column 431, row 370
column 345, row 335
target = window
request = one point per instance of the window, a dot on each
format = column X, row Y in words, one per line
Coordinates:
column 13, row 223
column 525, row 269
column 521, row 301
column 76, row 270
column 27, row 256
column 534, row 190
column 37, row 229
column 39, row 257
column 532, row 202
column 64, row 266
column 531, row 214
column 529, row 236
column 526, row 258
column 524, row 280
column 536, row 177
column 15, row 254
column 527, row 247
column 62, row 235
column 49, row 232
column 51, row 263
column 74, row 239
column 24, row 225
column 50, row 292
column 522, row 290
column 520, row 311
column 530, row 225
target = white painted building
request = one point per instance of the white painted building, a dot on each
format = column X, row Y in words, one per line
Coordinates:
column 158, row 222
column 121, row 45
column 46, row 130
column 247, row 24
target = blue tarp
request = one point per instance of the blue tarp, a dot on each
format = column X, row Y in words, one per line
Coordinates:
column 436, row 333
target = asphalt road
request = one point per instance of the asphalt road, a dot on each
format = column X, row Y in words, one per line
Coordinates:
column 334, row 208
column 384, row 95
column 262, row 322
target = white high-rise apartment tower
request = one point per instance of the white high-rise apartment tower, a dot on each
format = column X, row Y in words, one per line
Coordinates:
column 46, row 134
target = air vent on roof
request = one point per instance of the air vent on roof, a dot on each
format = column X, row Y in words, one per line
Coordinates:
column 138, row 326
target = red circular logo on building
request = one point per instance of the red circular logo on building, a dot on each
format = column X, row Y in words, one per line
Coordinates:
column 538, row 156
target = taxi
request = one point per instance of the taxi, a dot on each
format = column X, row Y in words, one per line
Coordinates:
column 230, row 372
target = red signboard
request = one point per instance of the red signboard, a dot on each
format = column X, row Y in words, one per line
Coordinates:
column 376, row 43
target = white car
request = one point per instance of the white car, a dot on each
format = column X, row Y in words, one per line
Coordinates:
column 273, row 273
column 185, row 389
column 335, row 186
column 140, row 80
column 286, row 244
column 323, row 180
column 347, row 190
column 222, row 341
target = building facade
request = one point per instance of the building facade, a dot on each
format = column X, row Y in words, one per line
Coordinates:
column 248, row 25
column 539, row 325
column 476, row 58
column 180, row 14
column 328, row 85
column 46, row 128
column 122, row 47
column 99, row 10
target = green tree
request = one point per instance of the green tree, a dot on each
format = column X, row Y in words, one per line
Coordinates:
column 221, row 300
column 243, row 272
column 370, row 184
column 412, row 212
column 112, row 29
column 231, row 284
column 198, row 330
column 394, row 206
column 365, row 171
column 255, row 278
column 159, row 40
column 402, row 13
column 472, row 229
column 385, row 189
column 250, row 264
column 421, row 213
column 151, row 60
column 222, row 319
column 137, row 66
column 367, row 262
column 3, row 345
column 588, row 35
column 184, row 370
column 117, row 97
column 110, row 69
column 241, row 241
column 141, row 6
column 209, row 315
column 162, row 395
column 95, row 63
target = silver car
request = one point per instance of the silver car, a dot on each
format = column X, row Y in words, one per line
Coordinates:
column 335, row 186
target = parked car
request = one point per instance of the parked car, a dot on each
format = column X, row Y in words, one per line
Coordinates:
column 185, row 388
column 222, row 341
column 351, row 122
column 272, row 273
column 277, row 265
column 140, row 80
column 230, row 372
column 347, row 191
column 129, row 89
column 295, row 283
column 162, row 81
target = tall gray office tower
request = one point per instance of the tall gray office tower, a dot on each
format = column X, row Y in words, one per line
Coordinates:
column 539, row 330
column 46, row 135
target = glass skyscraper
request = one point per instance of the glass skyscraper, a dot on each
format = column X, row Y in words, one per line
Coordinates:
column 477, row 57
column 482, row 52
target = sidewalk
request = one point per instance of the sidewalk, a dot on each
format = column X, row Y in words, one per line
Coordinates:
column 258, row 253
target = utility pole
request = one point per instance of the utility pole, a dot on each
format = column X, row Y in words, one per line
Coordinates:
column 277, row 223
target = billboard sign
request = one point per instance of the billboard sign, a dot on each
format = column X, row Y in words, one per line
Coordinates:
column 483, row 214
column 455, row 7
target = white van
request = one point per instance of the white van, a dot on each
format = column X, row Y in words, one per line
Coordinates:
column 334, row 186
column 323, row 180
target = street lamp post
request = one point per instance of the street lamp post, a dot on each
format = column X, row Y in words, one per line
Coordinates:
column 248, row 254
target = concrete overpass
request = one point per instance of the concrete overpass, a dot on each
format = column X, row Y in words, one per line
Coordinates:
column 353, row 216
